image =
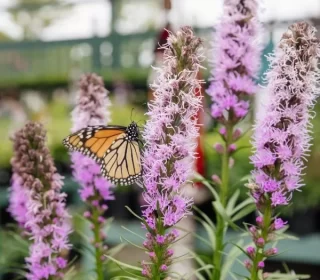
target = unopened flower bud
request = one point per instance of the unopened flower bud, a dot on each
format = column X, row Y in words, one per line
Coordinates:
column 219, row 148
column 248, row 264
column 251, row 251
column 163, row 267
column 215, row 178
column 260, row 242
column 223, row 131
column 253, row 230
column 87, row 214
column 271, row 252
column 261, row 265
column 236, row 134
column 232, row 148
column 259, row 220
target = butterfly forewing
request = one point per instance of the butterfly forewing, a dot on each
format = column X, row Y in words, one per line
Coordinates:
column 93, row 141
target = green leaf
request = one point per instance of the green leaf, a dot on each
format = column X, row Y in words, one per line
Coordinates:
column 122, row 264
column 233, row 254
column 126, row 277
column 211, row 233
column 133, row 213
column 219, row 208
column 116, row 249
column 133, row 244
column 243, row 204
column 108, row 224
column 200, row 262
column 198, row 270
column 133, row 232
column 233, row 276
column 283, row 276
column 196, row 235
column 181, row 258
column 205, row 216
column 240, row 248
column 282, row 236
column 199, row 276
column 232, row 201
column 201, row 179
column 243, row 212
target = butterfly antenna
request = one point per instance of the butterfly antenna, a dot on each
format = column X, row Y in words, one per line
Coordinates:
column 131, row 114
column 138, row 123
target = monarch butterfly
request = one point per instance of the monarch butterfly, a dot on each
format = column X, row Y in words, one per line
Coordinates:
column 115, row 148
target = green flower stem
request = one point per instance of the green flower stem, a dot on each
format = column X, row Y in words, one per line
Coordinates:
column 97, row 243
column 221, row 224
column 267, row 219
column 157, row 274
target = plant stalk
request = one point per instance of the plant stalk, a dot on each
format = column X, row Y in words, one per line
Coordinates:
column 97, row 244
column 221, row 225
column 267, row 218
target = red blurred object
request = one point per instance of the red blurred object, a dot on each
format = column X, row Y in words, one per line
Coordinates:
column 200, row 161
column 162, row 38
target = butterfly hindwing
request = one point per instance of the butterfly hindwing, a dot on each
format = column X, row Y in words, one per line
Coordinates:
column 121, row 165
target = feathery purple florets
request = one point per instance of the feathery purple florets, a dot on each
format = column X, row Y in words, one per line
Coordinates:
column 170, row 133
column 18, row 200
column 236, row 61
column 91, row 109
column 45, row 219
column 281, row 137
column 170, row 136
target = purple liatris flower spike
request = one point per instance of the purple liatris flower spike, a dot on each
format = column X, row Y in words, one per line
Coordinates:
column 170, row 136
column 236, row 61
column 18, row 200
column 92, row 109
column 281, row 137
column 45, row 217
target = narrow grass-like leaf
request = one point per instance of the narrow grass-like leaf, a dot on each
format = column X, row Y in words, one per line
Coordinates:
column 122, row 264
column 282, row 276
column 131, row 243
column 126, row 277
column 201, row 179
column 200, row 262
column 115, row 250
column 243, row 204
column 243, row 212
column 199, row 276
column 198, row 270
column 219, row 208
column 205, row 216
column 133, row 213
column 232, row 201
column 196, row 236
column 232, row 256
column 133, row 232
column 210, row 232
column 240, row 248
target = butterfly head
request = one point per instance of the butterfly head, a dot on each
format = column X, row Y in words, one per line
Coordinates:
column 132, row 131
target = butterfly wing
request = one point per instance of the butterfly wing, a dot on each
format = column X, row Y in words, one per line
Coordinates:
column 109, row 146
column 93, row 141
column 121, row 164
